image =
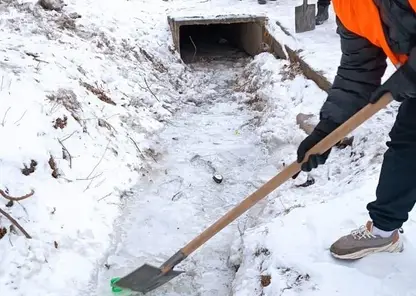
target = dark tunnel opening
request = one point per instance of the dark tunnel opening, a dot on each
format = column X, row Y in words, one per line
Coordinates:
column 219, row 41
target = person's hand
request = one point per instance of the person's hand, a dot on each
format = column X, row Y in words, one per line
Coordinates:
column 319, row 133
column 402, row 84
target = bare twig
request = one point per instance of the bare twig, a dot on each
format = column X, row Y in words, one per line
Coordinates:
column 8, row 197
column 137, row 147
column 69, row 136
column 89, row 178
column 24, row 209
column 101, row 159
column 92, row 180
column 89, row 184
column 101, row 182
column 141, row 153
column 69, row 154
column 15, row 223
column 148, row 88
column 4, row 117
column 107, row 195
column 21, row 117
column 176, row 195
column 193, row 43
column 10, row 240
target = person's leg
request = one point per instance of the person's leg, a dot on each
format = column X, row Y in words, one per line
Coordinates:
column 396, row 193
column 323, row 14
column 324, row 2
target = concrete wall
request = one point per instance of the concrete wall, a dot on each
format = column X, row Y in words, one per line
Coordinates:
column 251, row 36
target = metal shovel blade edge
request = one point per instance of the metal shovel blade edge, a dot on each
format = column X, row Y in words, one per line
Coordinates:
column 146, row 278
column 305, row 18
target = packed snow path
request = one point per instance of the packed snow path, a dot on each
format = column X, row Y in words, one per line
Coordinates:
column 179, row 198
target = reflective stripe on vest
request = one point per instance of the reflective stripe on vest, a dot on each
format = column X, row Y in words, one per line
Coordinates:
column 362, row 18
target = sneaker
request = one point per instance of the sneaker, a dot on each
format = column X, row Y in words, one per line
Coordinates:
column 362, row 242
column 262, row 1
column 322, row 14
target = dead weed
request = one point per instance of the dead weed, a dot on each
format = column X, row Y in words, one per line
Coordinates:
column 99, row 92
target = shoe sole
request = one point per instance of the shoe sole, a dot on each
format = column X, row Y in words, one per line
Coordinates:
column 397, row 247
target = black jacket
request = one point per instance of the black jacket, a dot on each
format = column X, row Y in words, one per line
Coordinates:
column 363, row 64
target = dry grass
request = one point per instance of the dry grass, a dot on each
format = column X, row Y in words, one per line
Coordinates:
column 289, row 72
column 60, row 122
column 99, row 92
column 265, row 280
column 27, row 170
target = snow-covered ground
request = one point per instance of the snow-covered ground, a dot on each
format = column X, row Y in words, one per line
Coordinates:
column 210, row 135
column 119, row 140
column 82, row 97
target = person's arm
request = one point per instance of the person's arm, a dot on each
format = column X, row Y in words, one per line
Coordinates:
column 359, row 75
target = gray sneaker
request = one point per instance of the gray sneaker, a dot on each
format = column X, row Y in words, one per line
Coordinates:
column 362, row 242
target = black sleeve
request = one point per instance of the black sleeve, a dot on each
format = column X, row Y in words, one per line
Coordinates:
column 359, row 74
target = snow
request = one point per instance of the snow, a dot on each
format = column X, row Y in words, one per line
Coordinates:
column 183, row 191
column 292, row 235
column 142, row 138
column 43, row 75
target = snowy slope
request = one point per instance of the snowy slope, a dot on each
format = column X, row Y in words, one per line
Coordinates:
column 87, row 93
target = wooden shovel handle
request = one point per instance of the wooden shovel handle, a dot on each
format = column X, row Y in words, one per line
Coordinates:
column 333, row 138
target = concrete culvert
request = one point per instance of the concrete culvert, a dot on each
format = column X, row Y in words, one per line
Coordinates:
column 215, row 38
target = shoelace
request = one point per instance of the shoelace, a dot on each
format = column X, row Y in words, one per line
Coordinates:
column 362, row 233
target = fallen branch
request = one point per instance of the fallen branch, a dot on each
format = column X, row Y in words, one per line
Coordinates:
column 15, row 223
column 8, row 197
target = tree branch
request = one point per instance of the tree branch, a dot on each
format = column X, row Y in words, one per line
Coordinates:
column 8, row 197
column 15, row 223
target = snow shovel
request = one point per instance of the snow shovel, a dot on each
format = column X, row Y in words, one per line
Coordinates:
column 148, row 277
column 304, row 17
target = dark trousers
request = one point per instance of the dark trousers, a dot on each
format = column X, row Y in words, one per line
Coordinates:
column 324, row 2
column 396, row 190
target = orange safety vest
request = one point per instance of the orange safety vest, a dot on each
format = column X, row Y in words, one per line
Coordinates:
column 362, row 18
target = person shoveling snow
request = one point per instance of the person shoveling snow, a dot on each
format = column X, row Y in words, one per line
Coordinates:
column 371, row 31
